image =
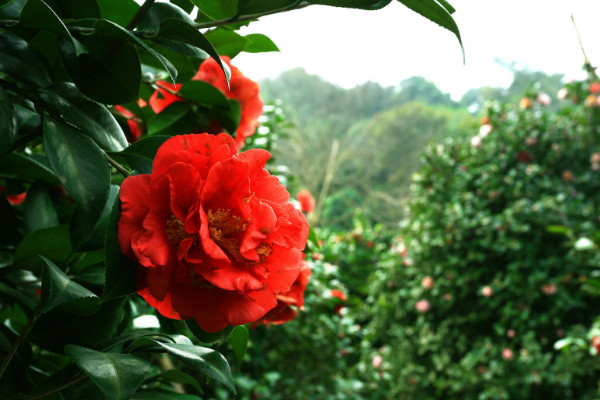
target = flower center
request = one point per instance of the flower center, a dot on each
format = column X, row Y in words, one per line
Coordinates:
column 225, row 228
column 175, row 231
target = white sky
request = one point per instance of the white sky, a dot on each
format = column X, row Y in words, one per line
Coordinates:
column 349, row 47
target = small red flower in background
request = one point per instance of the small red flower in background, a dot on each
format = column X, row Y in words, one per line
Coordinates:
column 307, row 202
column 288, row 303
column 214, row 234
column 596, row 343
column 595, row 87
column 524, row 157
column 507, row 354
column 339, row 294
column 14, row 199
column 422, row 306
column 133, row 122
column 163, row 96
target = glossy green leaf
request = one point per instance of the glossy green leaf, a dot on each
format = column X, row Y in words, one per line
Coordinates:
column 207, row 361
column 239, row 342
column 117, row 375
column 185, row 5
column 167, row 117
column 120, row 271
column 38, row 15
column 38, row 209
column 217, row 10
column 97, row 239
column 9, row 234
column 160, row 11
column 109, row 74
column 360, row 4
column 93, row 119
column 46, row 43
column 230, row 119
column 259, row 43
column 181, row 48
column 179, row 30
column 59, row 290
column 11, row 8
column 118, row 11
column 175, row 375
column 75, row 9
column 208, row 337
column 110, row 29
column 227, row 42
column 22, row 62
column 57, row 328
column 433, row 11
column 26, row 168
column 251, row 7
column 11, row 295
column 53, row 243
column 204, row 94
column 8, row 121
column 27, row 120
column 83, row 170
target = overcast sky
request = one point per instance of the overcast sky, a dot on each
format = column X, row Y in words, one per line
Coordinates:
column 349, row 47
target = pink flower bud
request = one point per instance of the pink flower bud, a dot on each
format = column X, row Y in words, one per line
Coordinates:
column 422, row 306
column 427, row 282
column 487, row 291
column 507, row 354
column 377, row 360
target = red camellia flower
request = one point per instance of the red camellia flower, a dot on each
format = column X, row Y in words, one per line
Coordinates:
column 241, row 88
column 163, row 96
column 307, row 202
column 288, row 303
column 14, row 199
column 134, row 123
column 214, row 234
column 339, row 294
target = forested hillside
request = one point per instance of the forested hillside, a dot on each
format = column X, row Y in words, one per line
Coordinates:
column 370, row 137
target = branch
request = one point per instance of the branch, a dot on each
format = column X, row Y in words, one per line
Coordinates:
column 19, row 340
column 139, row 15
column 118, row 166
column 56, row 389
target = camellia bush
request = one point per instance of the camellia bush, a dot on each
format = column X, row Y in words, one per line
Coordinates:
column 141, row 226
column 487, row 281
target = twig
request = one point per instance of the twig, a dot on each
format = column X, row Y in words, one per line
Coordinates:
column 139, row 15
column 118, row 166
column 20, row 338
column 56, row 389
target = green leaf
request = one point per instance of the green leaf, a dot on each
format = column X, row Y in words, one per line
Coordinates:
column 313, row 238
column 110, row 73
column 25, row 168
column 251, row 7
column 9, row 234
column 181, row 31
column 208, row 361
column 140, row 155
column 230, row 119
column 11, row 8
column 117, row 375
column 53, row 243
column 361, row 4
column 57, row 328
column 38, row 15
column 175, row 375
column 239, row 342
column 167, row 117
column 208, row 337
column 93, row 119
column 38, row 209
column 8, row 121
column 112, row 30
column 185, row 5
column 75, row 9
column 119, row 11
column 59, row 290
column 433, row 11
column 204, row 94
column 22, row 62
column 223, row 9
column 82, row 168
column 259, row 43
column 120, row 271
column 227, row 42
column 558, row 229
column 97, row 239
column 27, row 120
column 160, row 11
